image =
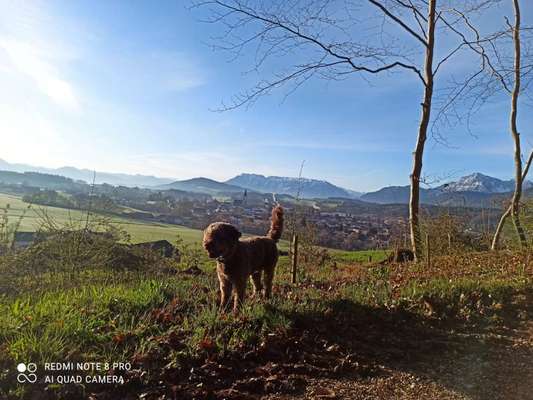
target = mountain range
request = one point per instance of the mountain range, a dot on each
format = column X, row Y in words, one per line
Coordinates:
column 475, row 189
column 296, row 187
column 254, row 183
column 117, row 179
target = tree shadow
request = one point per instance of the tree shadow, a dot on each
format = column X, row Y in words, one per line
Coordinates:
column 355, row 341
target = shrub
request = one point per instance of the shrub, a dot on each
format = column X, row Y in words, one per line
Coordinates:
column 8, row 229
column 449, row 234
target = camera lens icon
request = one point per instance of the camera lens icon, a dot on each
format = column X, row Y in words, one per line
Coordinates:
column 27, row 373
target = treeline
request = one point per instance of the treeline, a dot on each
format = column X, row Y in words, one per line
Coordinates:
column 79, row 201
column 40, row 180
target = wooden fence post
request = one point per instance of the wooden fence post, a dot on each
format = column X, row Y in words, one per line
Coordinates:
column 428, row 252
column 294, row 256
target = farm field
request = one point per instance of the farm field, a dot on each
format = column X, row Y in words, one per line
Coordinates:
column 362, row 256
column 140, row 231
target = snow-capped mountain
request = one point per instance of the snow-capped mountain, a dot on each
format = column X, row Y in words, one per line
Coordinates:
column 481, row 183
column 308, row 188
column 473, row 190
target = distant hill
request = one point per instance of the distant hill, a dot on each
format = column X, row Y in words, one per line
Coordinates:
column 39, row 180
column 86, row 175
column 310, row 188
column 391, row 195
column 202, row 185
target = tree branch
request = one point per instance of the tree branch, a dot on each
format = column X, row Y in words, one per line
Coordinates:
column 399, row 22
column 481, row 51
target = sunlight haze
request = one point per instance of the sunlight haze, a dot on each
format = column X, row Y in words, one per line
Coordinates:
column 127, row 87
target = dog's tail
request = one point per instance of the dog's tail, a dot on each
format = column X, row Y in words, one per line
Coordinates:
column 276, row 224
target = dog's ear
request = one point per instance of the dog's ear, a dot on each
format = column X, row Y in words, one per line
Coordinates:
column 233, row 233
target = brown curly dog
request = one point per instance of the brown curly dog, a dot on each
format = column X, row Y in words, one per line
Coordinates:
column 239, row 259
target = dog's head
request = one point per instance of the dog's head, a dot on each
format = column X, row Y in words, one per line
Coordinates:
column 220, row 239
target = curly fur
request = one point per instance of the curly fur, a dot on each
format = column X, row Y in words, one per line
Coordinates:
column 239, row 259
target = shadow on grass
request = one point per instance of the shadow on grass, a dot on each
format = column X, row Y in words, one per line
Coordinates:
column 479, row 360
column 350, row 342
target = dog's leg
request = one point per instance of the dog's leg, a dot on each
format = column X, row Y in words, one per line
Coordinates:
column 239, row 291
column 225, row 293
column 269, row 277
column 257, row 285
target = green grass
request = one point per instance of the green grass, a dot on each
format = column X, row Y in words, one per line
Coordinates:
column 140, row 231
column 362, row 256
column 174, row 318
column 83, row 322
column 97, row 313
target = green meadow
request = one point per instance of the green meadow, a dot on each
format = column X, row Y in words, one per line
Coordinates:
column 31, row 218
column 140, row 231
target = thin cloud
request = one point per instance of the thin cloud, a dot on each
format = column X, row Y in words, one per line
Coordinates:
column 503, row 150
column 30, row 49
column 182, row 165
column 218, row 165
column 352, row 147
column 27, row 59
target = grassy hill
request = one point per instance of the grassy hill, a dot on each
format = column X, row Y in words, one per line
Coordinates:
column 35, row 179
column 140, row 231
column 203, row 185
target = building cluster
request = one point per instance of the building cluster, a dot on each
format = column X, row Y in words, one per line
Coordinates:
column 331, row 228
column 356, row 231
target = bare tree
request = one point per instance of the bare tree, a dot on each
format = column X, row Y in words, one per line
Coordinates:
column 293, row 241
column 517, row 70
column 503, row 54
column 509, row 211
column 329, row 39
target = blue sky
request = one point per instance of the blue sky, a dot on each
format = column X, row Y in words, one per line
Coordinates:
column 129, row 87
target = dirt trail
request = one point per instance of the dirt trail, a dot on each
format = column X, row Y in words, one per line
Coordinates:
column 494, row 371
column 479, row 363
